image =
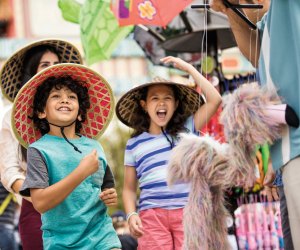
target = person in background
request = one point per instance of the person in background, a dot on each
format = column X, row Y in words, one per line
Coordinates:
column 122, row 228
column 8, row 208
column 273, row 43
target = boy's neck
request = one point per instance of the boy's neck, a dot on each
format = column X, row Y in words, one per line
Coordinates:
column 68, row 131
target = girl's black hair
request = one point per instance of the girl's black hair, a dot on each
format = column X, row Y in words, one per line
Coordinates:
column 43, row 91
column 32, row 60
column 31, row 63
column 174, row 126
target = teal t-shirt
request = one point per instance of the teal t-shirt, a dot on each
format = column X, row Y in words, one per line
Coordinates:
column 81, row 220
column 279, row 66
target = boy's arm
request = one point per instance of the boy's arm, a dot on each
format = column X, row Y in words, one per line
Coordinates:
column 109, row 194
column 108, row 179
column 46, row 198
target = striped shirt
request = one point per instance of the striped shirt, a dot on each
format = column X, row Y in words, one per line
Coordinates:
column 149, row 155
column 279, row 66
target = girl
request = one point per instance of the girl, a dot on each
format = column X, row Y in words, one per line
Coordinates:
column 157, row 112
column 68, row 104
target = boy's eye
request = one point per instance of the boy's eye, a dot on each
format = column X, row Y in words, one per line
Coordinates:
column 74, row 97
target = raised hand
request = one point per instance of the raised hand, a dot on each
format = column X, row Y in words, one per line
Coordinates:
column 177, row 63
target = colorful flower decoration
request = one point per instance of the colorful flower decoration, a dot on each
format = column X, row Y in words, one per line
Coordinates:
column 147, row 10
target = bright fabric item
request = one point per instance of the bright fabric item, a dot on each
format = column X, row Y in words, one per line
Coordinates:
column 149, row 155
column 151, row 12
column 258, row 226
column 81, row 220
column 161, row 227
column 99, row 30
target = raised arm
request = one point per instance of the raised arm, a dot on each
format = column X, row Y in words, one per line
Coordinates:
column 212, row 96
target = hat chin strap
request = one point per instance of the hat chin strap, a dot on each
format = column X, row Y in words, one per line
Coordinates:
column 165, row 134
column 64, row 136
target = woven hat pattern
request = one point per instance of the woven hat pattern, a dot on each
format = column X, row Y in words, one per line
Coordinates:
column 98, row 116
column 129, row 102
column 11, row 73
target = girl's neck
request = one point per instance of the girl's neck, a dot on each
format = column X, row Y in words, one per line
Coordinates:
column 155, row 130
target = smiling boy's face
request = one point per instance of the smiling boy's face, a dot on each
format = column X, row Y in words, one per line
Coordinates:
column 61, row 108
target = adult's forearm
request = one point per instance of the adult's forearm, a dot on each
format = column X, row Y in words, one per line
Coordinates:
column 246, row 38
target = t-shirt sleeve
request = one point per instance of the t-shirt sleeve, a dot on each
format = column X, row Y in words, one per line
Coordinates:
column 190, row 125
column 261, row 25
column 108, row 179
column 129, row 159
column 37, row 173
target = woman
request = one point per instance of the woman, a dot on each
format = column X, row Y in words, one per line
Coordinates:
column 19, row 68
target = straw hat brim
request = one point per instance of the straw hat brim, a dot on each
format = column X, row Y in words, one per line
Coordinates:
column 11, row 72
column 128, row 104
column 98, row 116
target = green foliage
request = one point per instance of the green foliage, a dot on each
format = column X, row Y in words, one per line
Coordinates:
column 114, row 143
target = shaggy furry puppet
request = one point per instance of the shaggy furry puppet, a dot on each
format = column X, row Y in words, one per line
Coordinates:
column 202, row 162
column 247, row 124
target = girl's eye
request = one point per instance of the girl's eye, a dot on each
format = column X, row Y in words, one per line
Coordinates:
column 74, row 97
column 55, row 96
column 44, row 65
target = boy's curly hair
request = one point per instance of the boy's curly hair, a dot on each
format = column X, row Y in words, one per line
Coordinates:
column 141, row 120
column 43, row 92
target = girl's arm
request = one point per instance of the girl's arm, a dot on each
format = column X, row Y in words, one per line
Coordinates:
column 44, row 199
column 129, row 201
column 212, row 96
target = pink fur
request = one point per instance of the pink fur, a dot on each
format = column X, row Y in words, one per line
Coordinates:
column 246, row 125
column 202, row 162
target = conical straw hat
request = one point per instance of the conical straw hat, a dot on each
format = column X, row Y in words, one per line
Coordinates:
column 11, row 72
column 98, row 116
column 128, row 104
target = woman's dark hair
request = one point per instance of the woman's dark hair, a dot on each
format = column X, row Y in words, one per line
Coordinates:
column 31, row 63
column 43, row 91
column 32, row 60
column 174, row 126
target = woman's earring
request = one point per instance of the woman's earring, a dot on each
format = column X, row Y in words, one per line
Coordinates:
column 79, row 118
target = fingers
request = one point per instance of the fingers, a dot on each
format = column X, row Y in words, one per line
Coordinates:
column 271, row 193
column 109, row 197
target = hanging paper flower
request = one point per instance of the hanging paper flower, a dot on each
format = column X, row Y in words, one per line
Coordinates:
column 146, row 10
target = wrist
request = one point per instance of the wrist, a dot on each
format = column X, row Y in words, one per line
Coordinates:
column 129, row 215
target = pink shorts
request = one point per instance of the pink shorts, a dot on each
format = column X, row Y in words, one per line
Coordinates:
column 163, row 229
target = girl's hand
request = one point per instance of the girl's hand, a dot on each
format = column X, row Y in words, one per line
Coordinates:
column 109, row 197
column 177, row 63
column 135, row 226
column 90, row 163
